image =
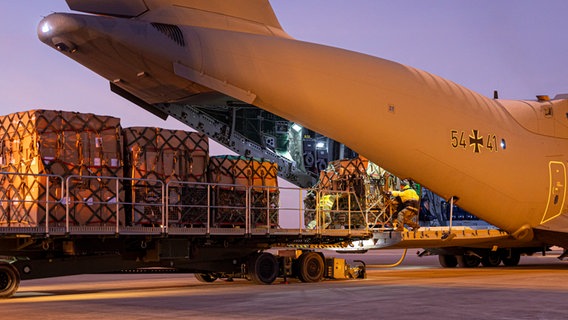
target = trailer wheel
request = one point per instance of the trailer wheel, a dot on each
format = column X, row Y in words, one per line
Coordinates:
column 263, row 268
column 205, row 277
column 512, row 258
column 491, row 259
column 310, row 267
column 468, row 261
column 9, row 280
column 448, row 260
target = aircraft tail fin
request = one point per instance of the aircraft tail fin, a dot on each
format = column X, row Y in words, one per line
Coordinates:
column 255, row 16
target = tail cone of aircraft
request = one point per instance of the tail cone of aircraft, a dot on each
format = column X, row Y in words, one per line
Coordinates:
column 52, row 31
column 134, row 55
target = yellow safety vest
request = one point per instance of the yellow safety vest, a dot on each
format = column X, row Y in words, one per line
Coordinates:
column 406, row 194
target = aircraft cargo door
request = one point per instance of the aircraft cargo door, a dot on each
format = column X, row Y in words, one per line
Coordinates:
column 557, row 191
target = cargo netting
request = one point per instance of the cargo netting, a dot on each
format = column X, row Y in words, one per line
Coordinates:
column 156, row 157
column 37, row 143
column 233, row 175
column 350, row 192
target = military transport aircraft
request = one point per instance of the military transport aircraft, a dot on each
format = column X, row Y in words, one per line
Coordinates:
column 505, row 161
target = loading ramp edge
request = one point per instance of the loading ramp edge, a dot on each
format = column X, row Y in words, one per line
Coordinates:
column 430, row 237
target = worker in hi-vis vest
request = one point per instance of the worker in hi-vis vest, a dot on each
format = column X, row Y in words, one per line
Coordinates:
column 325, row 207
column 409, row 204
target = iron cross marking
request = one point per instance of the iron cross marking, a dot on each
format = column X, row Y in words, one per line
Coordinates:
column 476, row 141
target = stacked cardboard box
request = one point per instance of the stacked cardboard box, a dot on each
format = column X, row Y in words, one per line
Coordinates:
column 43, row 142
column 156, row 157
column 231, row 201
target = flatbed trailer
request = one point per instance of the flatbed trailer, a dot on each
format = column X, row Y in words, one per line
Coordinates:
column 61, row 233
column 53, row 239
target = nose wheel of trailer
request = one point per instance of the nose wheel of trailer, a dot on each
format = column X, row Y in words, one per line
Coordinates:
column 263, row 268
column 9, row 280
column 310, row 267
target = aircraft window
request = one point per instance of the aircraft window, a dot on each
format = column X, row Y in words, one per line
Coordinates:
column 503, row 144
column 171, row 31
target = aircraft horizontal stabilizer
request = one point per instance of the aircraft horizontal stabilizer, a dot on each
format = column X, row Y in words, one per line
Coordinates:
column 207, row 13
column 121, row 8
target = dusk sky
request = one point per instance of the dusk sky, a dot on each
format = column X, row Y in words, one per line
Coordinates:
column 518, row 47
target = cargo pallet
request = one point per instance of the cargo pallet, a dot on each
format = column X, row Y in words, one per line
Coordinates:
column 63, row 234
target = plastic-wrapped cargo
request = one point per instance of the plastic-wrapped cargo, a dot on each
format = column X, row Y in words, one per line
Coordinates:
column 156, row 157
column 230, row 202
column 46, row 142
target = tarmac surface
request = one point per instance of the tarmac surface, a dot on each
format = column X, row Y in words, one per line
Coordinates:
column 417, row 289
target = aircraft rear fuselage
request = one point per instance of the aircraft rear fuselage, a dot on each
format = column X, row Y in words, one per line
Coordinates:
column 499, row 158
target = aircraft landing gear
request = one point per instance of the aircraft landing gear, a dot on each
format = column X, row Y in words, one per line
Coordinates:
column 511, row 258
column 468, row 261
column 491, row 259
column 471, row 257
column 448, row 260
